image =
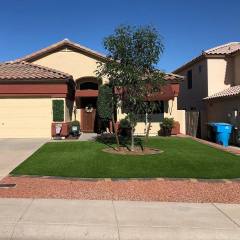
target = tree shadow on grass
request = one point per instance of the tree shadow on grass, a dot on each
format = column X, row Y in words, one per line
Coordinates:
column 110, row 141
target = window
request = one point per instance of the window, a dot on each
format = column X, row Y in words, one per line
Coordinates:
column 200, row 68
column 189, row 79
column 89, row 85
column 156, row 106
column 159, row 107
column 155, row 112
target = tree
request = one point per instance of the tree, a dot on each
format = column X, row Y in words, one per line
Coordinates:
column 148, row 108
column 106, row 106
column 133, row 53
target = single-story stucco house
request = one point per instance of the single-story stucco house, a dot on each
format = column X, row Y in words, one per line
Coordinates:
column 64, row 72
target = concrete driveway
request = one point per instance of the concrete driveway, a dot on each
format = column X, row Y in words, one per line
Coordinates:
column 15, row 151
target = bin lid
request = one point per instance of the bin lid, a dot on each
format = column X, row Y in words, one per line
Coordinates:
column 219, row 124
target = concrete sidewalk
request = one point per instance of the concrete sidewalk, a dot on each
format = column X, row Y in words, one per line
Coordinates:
column 72, row 219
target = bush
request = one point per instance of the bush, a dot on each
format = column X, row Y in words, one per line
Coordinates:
column 125, row 127
column 104, row 102
column 75, row 123
column 58, row 110
column 125, row 123
column 166, row 126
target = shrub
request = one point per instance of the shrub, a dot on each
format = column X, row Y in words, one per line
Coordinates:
column 125, row 127
column 75, row 123
column 125, row 123
column 58, row 110
column 166, row 126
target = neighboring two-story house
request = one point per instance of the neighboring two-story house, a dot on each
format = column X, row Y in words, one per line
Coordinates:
column 211, row 91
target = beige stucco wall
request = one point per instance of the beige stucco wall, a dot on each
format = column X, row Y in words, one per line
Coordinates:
column 237, row 69
column 191, row 98
column 220, row 74
column 217, row 74
column 74, row 63
column 25, row 117
column 170, row 111
column 224, row 110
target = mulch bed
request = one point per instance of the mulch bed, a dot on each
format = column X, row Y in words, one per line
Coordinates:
column 142, row 190
column 137, row 151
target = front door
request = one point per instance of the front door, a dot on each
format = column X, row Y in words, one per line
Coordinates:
column 88, row 120
column 88, row 114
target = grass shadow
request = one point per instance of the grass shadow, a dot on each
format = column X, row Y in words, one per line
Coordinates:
column 110, row 141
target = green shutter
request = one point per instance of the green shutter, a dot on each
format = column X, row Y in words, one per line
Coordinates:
column 58, row 110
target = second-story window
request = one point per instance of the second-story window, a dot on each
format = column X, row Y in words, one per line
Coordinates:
column 200, row 68
column 189, row 79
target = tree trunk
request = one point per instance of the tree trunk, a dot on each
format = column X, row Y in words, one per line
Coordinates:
column 148, row 130
column 115, row 131
column 132, row 139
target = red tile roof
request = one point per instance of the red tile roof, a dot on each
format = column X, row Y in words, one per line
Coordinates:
column 232, row 91
column 173, row 77
column 225, row 49
column 29, row 71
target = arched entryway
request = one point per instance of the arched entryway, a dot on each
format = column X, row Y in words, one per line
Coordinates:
column 86, row 101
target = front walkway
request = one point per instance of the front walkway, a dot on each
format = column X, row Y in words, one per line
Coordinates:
column 96, row 220
column 15, row 151
column 83, row 137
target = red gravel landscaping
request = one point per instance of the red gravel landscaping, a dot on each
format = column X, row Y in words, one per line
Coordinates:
column 145, row 190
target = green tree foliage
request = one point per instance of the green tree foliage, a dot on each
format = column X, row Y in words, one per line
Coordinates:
column 133, row 53
column 104, row 102
column 105, row 106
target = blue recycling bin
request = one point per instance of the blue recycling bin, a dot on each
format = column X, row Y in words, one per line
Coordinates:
column 223, row 132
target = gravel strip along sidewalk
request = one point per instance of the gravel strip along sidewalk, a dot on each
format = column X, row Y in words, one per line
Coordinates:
column 134, row 190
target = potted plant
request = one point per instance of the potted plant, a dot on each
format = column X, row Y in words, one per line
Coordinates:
column 125, row 127
column 167, row 126
column 75, row 128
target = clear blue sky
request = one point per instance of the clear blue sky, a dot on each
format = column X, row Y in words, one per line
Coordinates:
column 188, row 27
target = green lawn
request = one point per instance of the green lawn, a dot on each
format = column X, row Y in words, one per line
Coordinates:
column 182, row 157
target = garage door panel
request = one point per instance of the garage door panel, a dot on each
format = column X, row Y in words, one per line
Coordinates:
column 27, row 117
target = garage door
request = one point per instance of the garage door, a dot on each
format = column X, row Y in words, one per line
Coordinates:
column 25, row 117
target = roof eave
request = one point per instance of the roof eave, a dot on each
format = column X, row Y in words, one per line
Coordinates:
column 65, row 43
column 198, row 59
column 220, row 98
column 188, row 64
column 35, row 80
column 237, row 52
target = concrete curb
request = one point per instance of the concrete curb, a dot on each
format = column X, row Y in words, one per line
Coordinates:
column 194, row 180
